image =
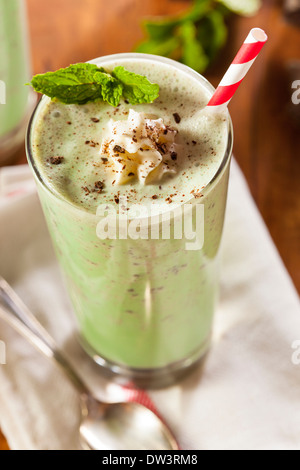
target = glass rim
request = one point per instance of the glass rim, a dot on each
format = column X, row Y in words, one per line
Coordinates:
column 134, row 56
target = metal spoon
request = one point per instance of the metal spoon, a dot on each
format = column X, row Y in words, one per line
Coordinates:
column 104, row 426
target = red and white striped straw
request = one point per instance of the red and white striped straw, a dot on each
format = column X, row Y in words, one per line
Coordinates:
column 239, row 68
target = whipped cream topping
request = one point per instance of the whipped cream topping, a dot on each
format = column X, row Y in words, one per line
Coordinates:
column 141, row 147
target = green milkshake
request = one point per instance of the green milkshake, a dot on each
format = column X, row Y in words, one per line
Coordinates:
column 15, row 98
column 144, row 307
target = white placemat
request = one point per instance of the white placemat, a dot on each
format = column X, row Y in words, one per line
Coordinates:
column 246, row 398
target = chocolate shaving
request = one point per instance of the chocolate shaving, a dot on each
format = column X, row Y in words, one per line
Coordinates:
column 86, row 190
column 119, row 149
column 177, row 118
column 94, row 144
column 99, row 186
column 56, row 160
column 95, row 120
column 174, row 156
column 197, row 194
column 162, row 148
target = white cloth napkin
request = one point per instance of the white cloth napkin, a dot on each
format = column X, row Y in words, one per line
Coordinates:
column 248, row 394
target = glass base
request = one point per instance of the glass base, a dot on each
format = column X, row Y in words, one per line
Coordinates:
column 11, row 142
column 149, row 378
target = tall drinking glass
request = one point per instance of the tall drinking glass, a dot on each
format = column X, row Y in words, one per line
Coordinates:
column 144, row 307
column 16, row 99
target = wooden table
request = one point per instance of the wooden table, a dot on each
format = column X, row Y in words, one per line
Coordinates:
column 267, row 141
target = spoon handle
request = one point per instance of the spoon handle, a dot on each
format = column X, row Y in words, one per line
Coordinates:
column 14, row 312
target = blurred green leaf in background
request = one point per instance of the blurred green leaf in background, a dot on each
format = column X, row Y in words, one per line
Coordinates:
column 196, row 36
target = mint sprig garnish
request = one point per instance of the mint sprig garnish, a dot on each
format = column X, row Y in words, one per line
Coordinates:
column 197, row 35
column 82, row 83
column 136, row 88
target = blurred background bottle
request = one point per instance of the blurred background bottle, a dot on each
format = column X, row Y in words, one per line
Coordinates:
column 16, row 99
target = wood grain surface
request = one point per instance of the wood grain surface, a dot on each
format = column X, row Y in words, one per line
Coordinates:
column 267, row 137
column 3, row 443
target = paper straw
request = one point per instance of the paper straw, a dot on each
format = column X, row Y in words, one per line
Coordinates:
column 239, row 68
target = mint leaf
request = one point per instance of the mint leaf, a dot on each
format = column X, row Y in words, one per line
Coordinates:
column 81, row 83
column 218, row 30
column 162, row 27
column 136, row 88
column 165, row 47
column 198, row 10
column 193, row 53
column 73, row 85
column 111, row 89
column 195, row 36
column 213, row 33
